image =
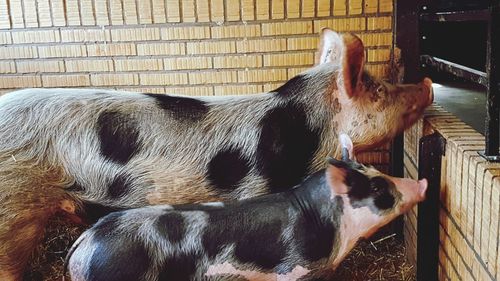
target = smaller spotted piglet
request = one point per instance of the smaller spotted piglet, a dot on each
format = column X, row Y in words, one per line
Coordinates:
column 301, row 234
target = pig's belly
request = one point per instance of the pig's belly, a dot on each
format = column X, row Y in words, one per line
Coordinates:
column 254, row 275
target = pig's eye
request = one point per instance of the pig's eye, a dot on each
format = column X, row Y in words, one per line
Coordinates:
column 380, row 89
column 377, row 183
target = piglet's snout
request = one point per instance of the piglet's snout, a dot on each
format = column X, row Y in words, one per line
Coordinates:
column 413, row 191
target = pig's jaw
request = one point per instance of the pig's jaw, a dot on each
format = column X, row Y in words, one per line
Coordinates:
column 356, row 223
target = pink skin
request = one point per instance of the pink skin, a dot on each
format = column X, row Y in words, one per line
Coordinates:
column 413, row 191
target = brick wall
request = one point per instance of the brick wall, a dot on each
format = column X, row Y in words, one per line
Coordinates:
column 202, row 47
column 470, row 200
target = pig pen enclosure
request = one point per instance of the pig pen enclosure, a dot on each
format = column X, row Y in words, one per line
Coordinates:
column 226, row 47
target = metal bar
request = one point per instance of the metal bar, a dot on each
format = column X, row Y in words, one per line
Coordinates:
column 455, row 69
column 493, row 89
column 454, row 16
column 431, row 150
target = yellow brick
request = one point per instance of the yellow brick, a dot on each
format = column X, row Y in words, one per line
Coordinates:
column 161, row 49
column 379, row 23
column 188, row 11
column 187, row 32
column 268, row 87
column 379, row 55
column 73, row 80
column 114, row 79
column 385, row 6
column 233, row 10
column 261, row 45
column 187, row 63
column 190, row 91
column 138, row 64
column 7, row 67
column 89, row 65
column 101, row 12
column 371, row 6
column 62, row 51
column 15, row 52
column 238, row 61
column 9, row 82
column 30, row 13
column 173, row 11
column 308, row 9
column 16, row 13
column 5, row 37
column 376, row 39
column 130, row 11
column 295, row 59
column 377, row 70
column 163, row 79
column 293, row 8
column 289, row 27
column 203, row 9
column 339, row 7
column 148, row 90
column 4, row 15
column 229, row 90
column 85, row 35
column 212, row 77
column 278, row 9
column 230, row 31
column 114, row 49
column 217, row 10
column 303, row 43
column 262, row 9
column 144, row 8
column 323, row 8
column 159, row 12
column 73, row 12
column 42, row 36
column 116, row 12
column 220, row 47
column 292, row 72
column 247, row 10
column 135, row 34
column 44, row 15
column 57, row 12
column 262, row 75
column 340, row 25
column 355, row 7
column 32, row 66
column 87, row 13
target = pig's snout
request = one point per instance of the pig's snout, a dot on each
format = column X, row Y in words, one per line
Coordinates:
column 427, row 83
column 412, row 191
column 422, row 189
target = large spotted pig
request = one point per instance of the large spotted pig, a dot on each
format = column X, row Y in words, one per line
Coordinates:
column 87, row 152
column 299, row 234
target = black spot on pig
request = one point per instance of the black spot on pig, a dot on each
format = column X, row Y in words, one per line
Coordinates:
column 337, row 107
column 369, row 116
column 91, row 212
column 179, row 267
column 172, row 226
column 118, row 136
column 181, row 108
column 296, row 85
column 227, row 169
column 286, row 146
column 119, row 260
column 119, row 186
column 383, row 197
column 111, row 257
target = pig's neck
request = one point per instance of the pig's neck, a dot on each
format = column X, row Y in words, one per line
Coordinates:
column 355, row 223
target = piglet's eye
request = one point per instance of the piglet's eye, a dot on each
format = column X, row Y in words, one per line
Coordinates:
column 377, row 183
column 380, row 89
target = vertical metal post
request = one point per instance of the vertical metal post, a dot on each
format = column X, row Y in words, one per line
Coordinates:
column 493, row 90
column 431, row 149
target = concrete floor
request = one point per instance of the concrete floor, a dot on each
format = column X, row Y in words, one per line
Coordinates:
column 467, row 102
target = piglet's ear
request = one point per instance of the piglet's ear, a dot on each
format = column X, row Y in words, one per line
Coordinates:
column 330, row 47
column 336, row 174
column 353, row 60
column 347, row 148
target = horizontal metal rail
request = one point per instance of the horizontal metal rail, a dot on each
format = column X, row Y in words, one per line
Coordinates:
column 455, row 69
column 454, row 16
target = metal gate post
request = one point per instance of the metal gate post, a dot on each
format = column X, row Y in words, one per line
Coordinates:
column 431, row 149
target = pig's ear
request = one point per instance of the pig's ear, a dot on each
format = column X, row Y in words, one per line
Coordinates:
column 347, row 148
column 336, row 176
column 330, row 47
column 353, row 60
